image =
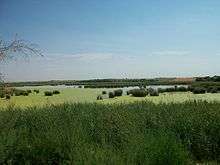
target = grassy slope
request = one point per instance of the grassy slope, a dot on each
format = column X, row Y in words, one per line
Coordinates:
column 137, row 133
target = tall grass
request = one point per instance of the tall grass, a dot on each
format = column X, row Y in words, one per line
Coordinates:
column 136, row 133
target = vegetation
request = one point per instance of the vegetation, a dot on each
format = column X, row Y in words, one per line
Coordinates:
column 99, row 97
column 2, row 95
column 36, row 91
column 138, row 133
column 56, row 92
column 118, row 92
column 7, row 97
column 106, row 83
column 111, row 95
column 48, row 93
column 104, row 92
column 29, row 91
column 199, row 90
column 72, row 95
column 68, row 95
column 138, row 92
column 153, row 92
column 208, row 78
column 175, row 89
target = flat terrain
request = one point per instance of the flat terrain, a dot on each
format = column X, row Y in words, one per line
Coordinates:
column 68, row 95
column 79, row 95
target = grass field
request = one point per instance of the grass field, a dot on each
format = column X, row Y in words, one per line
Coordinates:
column 77, row 95
column 135, row 133
column 172, row 128
column 67, row 95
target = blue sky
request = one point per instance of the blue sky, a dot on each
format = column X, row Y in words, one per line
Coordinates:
column 85, row 39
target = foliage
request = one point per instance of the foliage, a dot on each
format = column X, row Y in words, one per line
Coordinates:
column 199, row 90
column 8, row 97
column 25, row 93
column 153, row 92
column 118, row 92
column 29, row 91
column 138, row 92
column 105, row 83
column 19, row 92
column 174, row 89
column 36, row 91
column 111, row 95
column 99, row 97
column 137, row 133
column 2, row 95
column 208, row 78
column 48, row 93
column 56, row 92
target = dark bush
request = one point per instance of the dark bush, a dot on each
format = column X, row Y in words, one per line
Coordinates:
column 36, row 91
column 2, row 95
column 153, row 92
column 190, row 88
column 181, row 89
column 104, row 92
column 214, row 90
column 199, row 90
column 170, row 90
column 19, row 92
column 7, row 97
column 160, row 90
column 56, row 92
column 111, row 95
column 99, row 97
column 128, row 92
column 138, row 92
column 25, row 93
column 176, row 87
column 29, row 91
column 48, row 93
column 118, row 92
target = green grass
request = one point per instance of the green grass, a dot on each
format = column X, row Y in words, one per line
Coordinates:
column 76, row 95
column 177, row 97
column 67, row 95
column 133, row 133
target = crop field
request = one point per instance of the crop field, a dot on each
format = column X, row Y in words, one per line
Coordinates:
column 80, row 95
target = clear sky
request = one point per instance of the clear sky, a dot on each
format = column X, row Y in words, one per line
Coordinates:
column 85, row 39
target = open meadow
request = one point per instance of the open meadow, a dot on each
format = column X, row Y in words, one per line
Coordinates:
column 87, row 95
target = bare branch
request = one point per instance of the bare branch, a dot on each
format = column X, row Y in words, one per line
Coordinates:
column 7, row 50
column 18, row 45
